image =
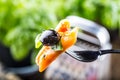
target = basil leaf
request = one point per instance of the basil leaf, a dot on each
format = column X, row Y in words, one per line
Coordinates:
column 57, row 47
column 37, row 41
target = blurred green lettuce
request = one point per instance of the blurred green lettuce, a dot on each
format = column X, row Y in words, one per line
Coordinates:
column 21, row 21
column 104, row 12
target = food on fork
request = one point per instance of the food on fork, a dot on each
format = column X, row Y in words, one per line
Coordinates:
column 55, row 42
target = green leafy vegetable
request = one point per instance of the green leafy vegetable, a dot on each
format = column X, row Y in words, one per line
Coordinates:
column 21, row 21
column 37, row 41
column 57, row 47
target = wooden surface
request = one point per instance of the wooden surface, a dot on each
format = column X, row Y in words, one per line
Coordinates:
column 115, row 61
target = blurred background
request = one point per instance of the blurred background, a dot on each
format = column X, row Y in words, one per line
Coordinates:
column 22, row 20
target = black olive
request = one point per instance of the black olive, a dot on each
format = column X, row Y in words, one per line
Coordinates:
column 49, row 37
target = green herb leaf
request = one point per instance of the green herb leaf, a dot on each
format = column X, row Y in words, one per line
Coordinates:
column 37, row 41
column 57, row 47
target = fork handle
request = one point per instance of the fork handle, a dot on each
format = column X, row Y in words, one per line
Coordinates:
column 111, row 51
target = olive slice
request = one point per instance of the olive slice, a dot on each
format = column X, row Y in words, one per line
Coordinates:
column 49, row 37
